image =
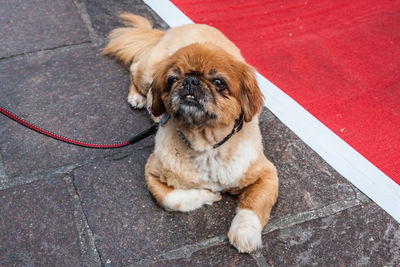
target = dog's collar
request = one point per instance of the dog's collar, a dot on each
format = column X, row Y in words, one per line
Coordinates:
column 236, row 128
column 164, row 119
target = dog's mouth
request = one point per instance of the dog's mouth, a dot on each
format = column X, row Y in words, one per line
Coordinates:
column 191, row 100
column 190, row 108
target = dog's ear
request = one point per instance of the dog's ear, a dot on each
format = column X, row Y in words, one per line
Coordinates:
column 251, row 98
column 157, row 105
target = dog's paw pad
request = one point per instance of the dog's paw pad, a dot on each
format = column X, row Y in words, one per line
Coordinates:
column 137, row 101
column 245, row 231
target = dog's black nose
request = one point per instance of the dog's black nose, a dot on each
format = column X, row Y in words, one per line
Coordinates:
column 189, row 81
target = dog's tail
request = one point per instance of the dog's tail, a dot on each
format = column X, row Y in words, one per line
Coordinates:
column 133, row 42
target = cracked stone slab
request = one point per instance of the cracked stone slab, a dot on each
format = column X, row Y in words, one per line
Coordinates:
column 37, row 226
column 104, row 14
column 360, row 236
column 77, row 93
column 35, row 25
column 306, row 181
column 128, row 225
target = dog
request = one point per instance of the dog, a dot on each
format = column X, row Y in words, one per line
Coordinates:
column 206, row 97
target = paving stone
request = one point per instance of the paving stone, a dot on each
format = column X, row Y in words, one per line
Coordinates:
column 39, row 24
column 360, row 236
column 306, row 181
column 223, row 255
column 79, row 94
column 104, row 14
column 37, row 226
column 127, row 223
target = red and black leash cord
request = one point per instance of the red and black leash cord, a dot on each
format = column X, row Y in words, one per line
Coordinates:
column 140, row 136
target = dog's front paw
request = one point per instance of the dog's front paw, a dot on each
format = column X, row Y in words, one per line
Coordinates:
column 189, row 199
column 137, row 100
column 210, row 197
column 245, row 231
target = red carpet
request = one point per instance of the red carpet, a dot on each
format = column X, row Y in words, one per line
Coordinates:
column 339, row 59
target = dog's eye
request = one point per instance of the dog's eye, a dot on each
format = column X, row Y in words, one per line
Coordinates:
column 171, row 81
column 220, row 84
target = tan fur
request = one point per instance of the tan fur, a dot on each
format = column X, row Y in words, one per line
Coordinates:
column 132, row 43
column 260, row 184
column 159, row 189
column 239, row 165
column 135, row 21
column 250, row 96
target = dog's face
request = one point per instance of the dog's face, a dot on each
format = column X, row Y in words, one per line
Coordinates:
column 203, row 85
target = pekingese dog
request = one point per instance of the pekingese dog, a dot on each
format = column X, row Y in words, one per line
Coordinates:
column 207, row 100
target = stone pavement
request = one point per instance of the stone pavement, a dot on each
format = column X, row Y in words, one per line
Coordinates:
column 62, row 205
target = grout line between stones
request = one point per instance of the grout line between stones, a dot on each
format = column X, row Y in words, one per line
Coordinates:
column 42, row 52
column 259, row 258
column 89, row 252
column 95, row 39
column 183, row 252
column 360, row 195
column 81, row 7
column 33, row 177
column 3, row 176
column 299, row 218
column 59, row 172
